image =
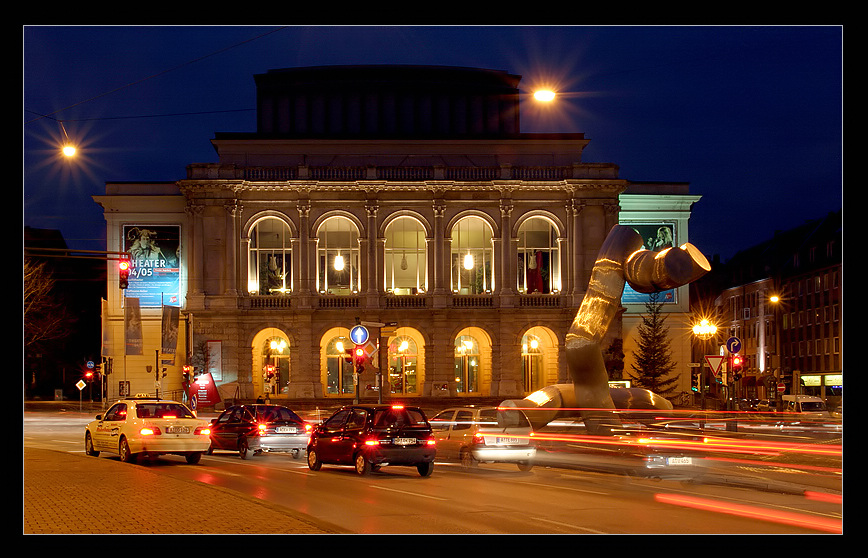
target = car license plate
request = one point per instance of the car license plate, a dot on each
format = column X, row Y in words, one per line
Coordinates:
column 405, row 441
column 178, row 429
column 285, row 430
column 679, row 461
column 508, row 441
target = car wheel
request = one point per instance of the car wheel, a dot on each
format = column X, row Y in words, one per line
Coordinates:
column 425, row 468
column 194, row 457
column 88, row 446
column 524, row 466
column 243, row 449
column 467, row 459
column 313, row 461
column 124, row 450
column 363, row 466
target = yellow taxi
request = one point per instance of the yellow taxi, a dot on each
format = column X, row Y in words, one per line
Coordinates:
column 148, row 426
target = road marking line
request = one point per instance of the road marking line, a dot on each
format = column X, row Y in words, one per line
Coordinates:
column 568, row 526
column 408, row 493
column 565, row 488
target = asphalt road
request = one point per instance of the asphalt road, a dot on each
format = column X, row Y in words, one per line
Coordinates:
column 68, row 492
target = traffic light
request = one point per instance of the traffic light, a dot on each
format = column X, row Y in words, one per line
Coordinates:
column 737, row 363
column 123, row 273
column 359, row 354
column 694, row 381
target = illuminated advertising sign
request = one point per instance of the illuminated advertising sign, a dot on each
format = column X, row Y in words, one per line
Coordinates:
column 656, row 237
column 155, row 254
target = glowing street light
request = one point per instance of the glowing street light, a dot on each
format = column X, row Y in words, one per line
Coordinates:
column 544, row 95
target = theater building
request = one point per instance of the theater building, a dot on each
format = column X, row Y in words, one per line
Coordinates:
column 401, row 198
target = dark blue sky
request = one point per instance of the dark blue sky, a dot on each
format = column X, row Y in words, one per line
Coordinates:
column 750, row 116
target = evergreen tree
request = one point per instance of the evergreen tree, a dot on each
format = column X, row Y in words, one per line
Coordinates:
column 654, row 358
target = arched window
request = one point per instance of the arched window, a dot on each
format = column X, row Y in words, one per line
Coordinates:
column 532, row 368
column 406, row 262
column 338, row 257
column 538, row 257
column 403, row 365
column 275, row 364
column 269, row 269
column 472, row 257
column 339, row 372
column 467, row 364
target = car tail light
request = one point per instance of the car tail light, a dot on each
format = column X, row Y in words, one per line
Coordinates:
column 478, row 438
column 308, row 428
column 430, row 441
column 372, row 442
column 261, row 428
column 149, row 431
column 202, row 431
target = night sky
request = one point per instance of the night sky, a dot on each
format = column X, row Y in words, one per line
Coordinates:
column 751, row 116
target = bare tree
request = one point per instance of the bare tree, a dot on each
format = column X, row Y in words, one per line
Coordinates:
column 45, row 318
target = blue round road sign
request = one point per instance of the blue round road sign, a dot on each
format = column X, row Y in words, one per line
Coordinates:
column 733, row 344
column 359, row 335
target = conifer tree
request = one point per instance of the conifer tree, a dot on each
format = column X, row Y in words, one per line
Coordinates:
column 654, row 357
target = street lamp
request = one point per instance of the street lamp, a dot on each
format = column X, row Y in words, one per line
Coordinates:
column 544, row 95
column 704, row 331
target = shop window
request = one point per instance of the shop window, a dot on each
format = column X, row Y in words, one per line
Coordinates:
column 467, row 364
column 403, row 365
column 275, row 365
column 338, row 257
column 538, row 257
column 472, row 257
column 269, row 268
column 532, row 367
column 339, row 372
column 405, row 257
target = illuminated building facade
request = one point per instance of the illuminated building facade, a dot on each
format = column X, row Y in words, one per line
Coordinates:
column 794, row 338
column 400, row 198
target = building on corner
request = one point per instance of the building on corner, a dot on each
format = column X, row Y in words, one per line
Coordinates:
column 401, row 198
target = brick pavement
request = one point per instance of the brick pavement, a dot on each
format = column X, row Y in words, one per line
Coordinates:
column 65, row 493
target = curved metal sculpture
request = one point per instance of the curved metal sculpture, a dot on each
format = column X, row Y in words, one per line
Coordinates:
column 621, row 260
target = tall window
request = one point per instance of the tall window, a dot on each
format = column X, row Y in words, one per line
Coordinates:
column 467, row 364
column 269, row 269
column 339, row 372
column 532, row 363
column 403, row 365
column 472, row 257
column 538, row 257
column 406, row 262
column 338, row 257
column 275, row 364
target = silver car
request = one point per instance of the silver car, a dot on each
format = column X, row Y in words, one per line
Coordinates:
column 475, row 435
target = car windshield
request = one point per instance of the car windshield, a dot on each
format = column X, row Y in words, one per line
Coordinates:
column 384, row 418
column 163, row 410
column 276, row 414
column 503, row 418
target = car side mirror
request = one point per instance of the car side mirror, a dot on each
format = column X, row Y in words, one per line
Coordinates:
column 99, row 417
column 213, row 421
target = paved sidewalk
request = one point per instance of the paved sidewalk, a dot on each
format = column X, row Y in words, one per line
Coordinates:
column 73, row 494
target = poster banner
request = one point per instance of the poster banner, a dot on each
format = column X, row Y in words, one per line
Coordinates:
column 214, row 359
column 133, row 327
column 171, row 318
column 656, row 237
column 155, row 255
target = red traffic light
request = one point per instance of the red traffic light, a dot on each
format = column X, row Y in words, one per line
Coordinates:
column 360, row 352
column 737, row 361
column 123, row 273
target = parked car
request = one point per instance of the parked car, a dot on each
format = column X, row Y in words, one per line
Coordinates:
column 370, row 436
column 767, row 405
column 474, row 435
column 253, row 429
column 147, row 426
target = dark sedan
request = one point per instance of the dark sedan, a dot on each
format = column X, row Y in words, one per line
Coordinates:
column 369, row 436
column 253, row 429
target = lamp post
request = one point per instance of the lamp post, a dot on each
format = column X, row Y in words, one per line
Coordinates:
column 704, row 331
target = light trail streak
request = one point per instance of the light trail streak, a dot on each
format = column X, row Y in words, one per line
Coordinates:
column 753, row 512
